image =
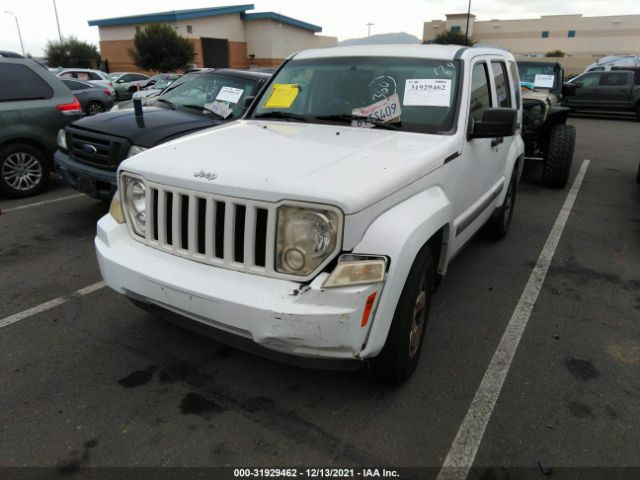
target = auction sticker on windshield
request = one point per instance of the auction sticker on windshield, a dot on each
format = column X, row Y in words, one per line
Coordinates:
column 283, row 95
column 427, row 92
column 219, row 108
column 384, row 111
column 229, row 94
column 544, row 81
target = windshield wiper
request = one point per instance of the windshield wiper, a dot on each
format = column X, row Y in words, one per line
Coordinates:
column 173, row 107
column 283, row 115
column 349, row 117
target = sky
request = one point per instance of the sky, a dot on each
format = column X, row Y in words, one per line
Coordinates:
column 340, row 18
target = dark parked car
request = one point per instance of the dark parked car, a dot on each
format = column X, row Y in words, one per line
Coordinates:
column 34, row 105
column 615, row 90
column 92, row 99
column 92, row 148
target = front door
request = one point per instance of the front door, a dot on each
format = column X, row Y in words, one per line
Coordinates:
column 480, row 169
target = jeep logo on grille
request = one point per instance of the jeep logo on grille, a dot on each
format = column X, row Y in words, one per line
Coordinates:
column 208, row 175
column 88, row 148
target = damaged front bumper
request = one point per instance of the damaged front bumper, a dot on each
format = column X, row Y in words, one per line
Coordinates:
column 276, row 315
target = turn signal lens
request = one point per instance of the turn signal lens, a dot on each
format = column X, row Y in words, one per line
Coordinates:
column 357, row 272
column 116, row 209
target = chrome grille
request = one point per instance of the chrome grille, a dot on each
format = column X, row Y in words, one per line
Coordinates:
column 232, row 233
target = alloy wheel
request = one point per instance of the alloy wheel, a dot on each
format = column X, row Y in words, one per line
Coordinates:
column 22, row 171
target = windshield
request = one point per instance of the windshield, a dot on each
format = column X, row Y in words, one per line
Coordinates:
column 538, row 75
column 115, row 76
column 409, row 94
column 212, row 93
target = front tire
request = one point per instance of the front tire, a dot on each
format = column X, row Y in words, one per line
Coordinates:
column 399, row 357
column 557, row 165
column 24, row 170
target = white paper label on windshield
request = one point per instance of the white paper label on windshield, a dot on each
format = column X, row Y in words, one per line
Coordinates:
column 427, row 92
column 544, row 81
column 229, row 94
column 384, row 111
column 219, row 108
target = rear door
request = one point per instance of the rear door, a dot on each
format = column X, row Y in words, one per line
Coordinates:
column 505, row 98
column 615, row 88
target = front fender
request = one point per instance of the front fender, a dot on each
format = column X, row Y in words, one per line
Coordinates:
column 399, row 233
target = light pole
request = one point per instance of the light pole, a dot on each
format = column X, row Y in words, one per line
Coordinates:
column 55, row 9
column 466, row 32
column 17, row 25
column 369, row 25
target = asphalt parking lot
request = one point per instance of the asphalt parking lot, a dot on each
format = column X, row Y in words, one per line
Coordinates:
column 91, row 381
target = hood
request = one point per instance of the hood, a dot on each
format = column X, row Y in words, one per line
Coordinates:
column 348, row 167
column 544, row 96
column 157, row 124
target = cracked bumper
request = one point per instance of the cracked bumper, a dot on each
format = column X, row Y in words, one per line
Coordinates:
column 278, row 315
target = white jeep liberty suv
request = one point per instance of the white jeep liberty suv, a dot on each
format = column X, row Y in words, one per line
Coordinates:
column 317, row 227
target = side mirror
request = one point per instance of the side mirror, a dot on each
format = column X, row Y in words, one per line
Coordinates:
column 496, row 122
column 247, row 102
column 569, row 89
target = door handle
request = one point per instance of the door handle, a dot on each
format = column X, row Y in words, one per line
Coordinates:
column 497, row 141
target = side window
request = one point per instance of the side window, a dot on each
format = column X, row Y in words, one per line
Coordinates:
column 516, row 80
column 590, row 80
column 19, row 82
column 137, row 76
column 613, row 79
column 502, row 84
column 83, row 76
column 124, row 78
column 74, row 86
column 94, row 76
column 67, row 75
column 480, row 91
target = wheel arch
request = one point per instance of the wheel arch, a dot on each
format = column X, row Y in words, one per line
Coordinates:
column 399, row 234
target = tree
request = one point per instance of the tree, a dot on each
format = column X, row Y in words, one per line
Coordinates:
column 452, row 38
column 159, row 48
column 71, row 52
column 555, row 53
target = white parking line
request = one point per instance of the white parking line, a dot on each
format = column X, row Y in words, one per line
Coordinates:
column 464, row 448
column 43, row 307
column 44, row 202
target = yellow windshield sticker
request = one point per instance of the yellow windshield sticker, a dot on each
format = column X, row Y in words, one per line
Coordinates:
column 283, row 95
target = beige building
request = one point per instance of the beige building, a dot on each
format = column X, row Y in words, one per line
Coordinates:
column 223, row 36
column 583, row 39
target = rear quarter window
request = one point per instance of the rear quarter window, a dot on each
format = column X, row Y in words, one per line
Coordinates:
column 19, row 82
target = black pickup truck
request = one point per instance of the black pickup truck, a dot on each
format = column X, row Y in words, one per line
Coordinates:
column 91, row 148
column 616, row 90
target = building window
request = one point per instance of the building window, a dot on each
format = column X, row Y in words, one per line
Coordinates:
column 456, row 28
column 545, row 34
column 571, row 34
column 189, row 29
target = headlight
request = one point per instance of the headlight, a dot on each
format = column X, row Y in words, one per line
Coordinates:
column 62, row 139
column 305, row 239
column 134, row 150
column 135, row 203
column 536, row 112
